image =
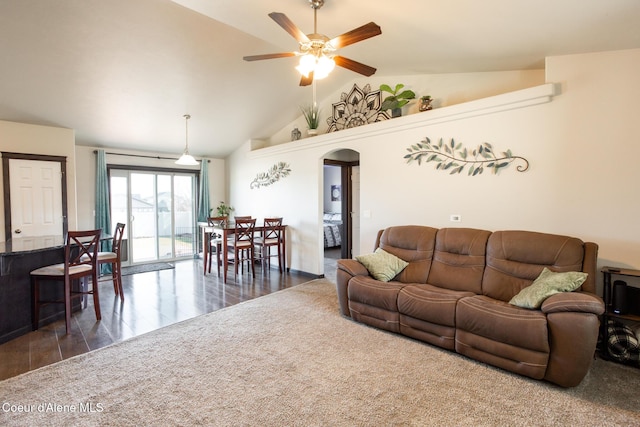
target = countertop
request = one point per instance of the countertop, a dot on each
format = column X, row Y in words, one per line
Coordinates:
column 30, row 244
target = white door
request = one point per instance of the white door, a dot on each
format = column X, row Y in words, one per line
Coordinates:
column 355, row 211
column 36, row 198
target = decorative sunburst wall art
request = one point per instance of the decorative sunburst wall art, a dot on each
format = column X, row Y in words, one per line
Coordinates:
column 454, row 157
column 356, row 108
column 273, row 175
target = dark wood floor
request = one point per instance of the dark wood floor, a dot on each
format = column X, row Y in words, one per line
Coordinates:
column 152, row 300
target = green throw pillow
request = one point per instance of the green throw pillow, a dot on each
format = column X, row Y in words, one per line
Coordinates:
column 382, row 265
column 547, row 284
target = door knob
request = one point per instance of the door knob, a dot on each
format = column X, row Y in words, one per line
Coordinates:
column 18, row 231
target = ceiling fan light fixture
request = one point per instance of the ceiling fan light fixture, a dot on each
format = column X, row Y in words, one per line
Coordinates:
column 320, row 65
column 307, row 64
column 323, row 67
column 316, row 50
column 186, row 159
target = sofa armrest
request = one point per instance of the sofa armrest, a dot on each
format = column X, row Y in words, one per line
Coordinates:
column 353, row 267
column 573, row 324
column 580, row 302
column 347, row 268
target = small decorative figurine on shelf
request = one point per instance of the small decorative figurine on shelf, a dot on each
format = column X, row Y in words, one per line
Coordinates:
column 425, row 103
column 295, row 134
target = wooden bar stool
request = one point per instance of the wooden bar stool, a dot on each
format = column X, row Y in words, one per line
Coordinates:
column 271, row 236
column 114, row 259
column 242, row 245
column 215, row 241
column 80, row 262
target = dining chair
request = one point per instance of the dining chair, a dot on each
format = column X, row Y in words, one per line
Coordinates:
column 114, row 259
column 80, row 262
column 215, row 240
column 271, row 236
column 242, row 246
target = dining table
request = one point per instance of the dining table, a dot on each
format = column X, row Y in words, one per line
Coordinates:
column 227, row 230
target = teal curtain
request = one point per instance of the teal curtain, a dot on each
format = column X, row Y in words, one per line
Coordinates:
column 103, row 215
column 203, row 196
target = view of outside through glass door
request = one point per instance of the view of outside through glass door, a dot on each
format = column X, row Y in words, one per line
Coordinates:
column 159, row 211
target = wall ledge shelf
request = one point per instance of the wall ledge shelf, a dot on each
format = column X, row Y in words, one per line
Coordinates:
column 508, row 101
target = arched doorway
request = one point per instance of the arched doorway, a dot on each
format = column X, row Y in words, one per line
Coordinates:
column 341, row 207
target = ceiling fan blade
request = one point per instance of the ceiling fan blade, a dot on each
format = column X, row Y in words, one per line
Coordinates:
column 282, row 20
column 352, row 65
column 306, row 81
column 269, row 56
column 361, row 33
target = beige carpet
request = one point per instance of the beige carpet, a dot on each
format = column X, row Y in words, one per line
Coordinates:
column 289, row 359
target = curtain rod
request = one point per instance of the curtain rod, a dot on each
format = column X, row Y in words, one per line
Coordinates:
column 140, row 155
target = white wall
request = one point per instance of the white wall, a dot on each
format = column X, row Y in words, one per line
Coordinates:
column 46, row 140
column 582, row 148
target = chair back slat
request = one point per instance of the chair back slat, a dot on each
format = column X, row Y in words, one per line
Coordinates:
column 244, row 230
column 217, row 221
column 272, row 228
column 86, row 243
column 117, row 238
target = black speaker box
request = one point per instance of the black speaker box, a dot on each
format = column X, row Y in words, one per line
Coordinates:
column 619, row 300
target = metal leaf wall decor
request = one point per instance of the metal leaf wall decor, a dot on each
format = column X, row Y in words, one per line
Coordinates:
column 273, row 175
column 453, row 157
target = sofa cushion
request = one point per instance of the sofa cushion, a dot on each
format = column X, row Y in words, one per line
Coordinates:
column 412, row 243
column 374, row 302
column 459, row 259
column 548, row 283
column 428, row 313
column 382, row 265
column 502, row 322
column 516, row 258
column 430, row 303
column 503, row 335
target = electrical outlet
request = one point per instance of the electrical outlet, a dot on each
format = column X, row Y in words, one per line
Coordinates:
column 455, row 218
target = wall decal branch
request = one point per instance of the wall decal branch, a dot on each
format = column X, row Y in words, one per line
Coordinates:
column 454, row 157
column 273, row 175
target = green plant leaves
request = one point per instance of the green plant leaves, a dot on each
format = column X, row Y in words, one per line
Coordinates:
column 387, row 88
column 406, row 94
column 311, row 115
column 397, row 99
column 454, row 158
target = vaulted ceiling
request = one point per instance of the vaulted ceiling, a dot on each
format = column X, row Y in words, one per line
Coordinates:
column 123, row 73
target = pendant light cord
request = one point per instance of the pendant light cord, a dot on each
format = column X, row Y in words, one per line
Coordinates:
column 186, row 132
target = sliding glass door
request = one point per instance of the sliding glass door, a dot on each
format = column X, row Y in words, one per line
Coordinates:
column 160, row 211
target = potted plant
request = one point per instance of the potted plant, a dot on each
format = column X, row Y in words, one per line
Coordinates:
column 398, row 99
column 312, row 116
column 223, row 209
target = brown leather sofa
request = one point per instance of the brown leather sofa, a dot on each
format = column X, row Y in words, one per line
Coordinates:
column 455, row 294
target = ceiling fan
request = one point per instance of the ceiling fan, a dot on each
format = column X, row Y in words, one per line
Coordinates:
column 316, row 50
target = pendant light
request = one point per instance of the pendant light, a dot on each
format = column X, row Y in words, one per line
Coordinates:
column 186, row 159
